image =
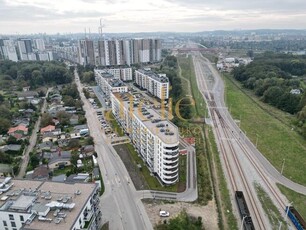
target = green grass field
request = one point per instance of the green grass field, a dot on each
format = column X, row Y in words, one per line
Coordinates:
column 187, row 73
column 276, row 139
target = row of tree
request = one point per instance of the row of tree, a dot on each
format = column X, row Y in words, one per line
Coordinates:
column 273, row 77
column 33, row 73
column 170, row 68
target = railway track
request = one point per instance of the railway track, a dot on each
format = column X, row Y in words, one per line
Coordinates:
column 216, row 116
column 227, row 150
column 256, row 167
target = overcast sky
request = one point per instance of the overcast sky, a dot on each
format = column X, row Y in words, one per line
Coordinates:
column 52, row 16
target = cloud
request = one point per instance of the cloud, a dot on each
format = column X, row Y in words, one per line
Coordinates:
column 30, row 16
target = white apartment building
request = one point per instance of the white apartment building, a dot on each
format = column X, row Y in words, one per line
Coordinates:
column 109, row 84
column 31, row 205
column 156, row 84
column 125, row 74
column 40, row 44
column 155, row 138
column 8, row 49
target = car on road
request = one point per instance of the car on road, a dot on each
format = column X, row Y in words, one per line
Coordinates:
column 164, row 213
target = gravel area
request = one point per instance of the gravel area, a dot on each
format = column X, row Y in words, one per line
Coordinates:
column 208, row 213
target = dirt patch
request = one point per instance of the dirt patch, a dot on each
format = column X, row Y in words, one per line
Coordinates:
column 137, row 178
column 208, row 213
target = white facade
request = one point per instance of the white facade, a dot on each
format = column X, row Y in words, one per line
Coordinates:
column 48, row 205
column 155, row 138
column 109, row 84
column 43, row 57
column 40, row 44
column 9, row 50
column 156, row 84
column 127, row 52
column 125, row 74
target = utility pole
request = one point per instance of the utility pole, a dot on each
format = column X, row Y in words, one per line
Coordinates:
column 283, row 165
column 256, row 140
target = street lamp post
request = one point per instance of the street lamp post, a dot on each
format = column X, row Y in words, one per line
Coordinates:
column 283, row 165
column 242, row 222
column 288, row 211
column 256, row 140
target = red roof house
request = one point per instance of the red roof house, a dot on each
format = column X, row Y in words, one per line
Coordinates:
column 48, row 128
column 18, row 129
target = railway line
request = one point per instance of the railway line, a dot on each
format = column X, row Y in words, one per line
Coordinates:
column 243, row 163
column 229, row 141
column 245, row 186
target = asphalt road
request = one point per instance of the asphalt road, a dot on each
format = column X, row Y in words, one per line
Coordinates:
column 120, row 203
column 32, row 141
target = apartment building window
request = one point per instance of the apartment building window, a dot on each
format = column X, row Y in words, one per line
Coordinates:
column 11, row 217
column 13, row 224
column 21, row 218
column 4, row 223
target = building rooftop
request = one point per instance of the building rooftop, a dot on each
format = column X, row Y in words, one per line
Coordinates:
column 43, row 199
column 154, row 121
column 155, row 76
column 111, row 79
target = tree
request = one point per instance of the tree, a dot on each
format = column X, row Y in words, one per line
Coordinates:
column 250, row 53
column 46, row 119
column 34, row 160
column 37, row 78
column 63, row 117
column 88, row 77
column 69, row 101
column 5, row 112
column 4, row 125
column 73, row 143
column 89, row 140
column 272, row 95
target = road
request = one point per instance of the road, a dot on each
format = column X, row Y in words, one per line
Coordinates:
column 32, row 141
column 121, row 203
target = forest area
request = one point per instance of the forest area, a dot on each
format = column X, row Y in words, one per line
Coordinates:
column 279, row 80
column 15, row 75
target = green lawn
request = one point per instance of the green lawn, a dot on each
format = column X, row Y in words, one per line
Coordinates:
column 299, row 200
column 152, row 182
column 187, row 73
column 276, row 140
column 57, row 172
column 116, row 127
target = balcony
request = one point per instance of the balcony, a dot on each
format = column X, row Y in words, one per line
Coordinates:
column 170, row 175
column 167, row 170
column 175, row 148
column 88, row 214
column 171, row 155
column 170, row 180
column 167, row 160
column 168, row 166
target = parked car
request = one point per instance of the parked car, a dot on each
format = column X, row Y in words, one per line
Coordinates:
column 164, row 214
